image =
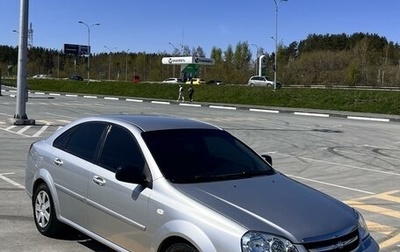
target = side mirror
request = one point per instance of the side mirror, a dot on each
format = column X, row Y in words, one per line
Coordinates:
column 267, row 158
column 131, row 174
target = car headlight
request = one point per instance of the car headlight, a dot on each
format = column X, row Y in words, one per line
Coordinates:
column 364, row 233
column 263, row 242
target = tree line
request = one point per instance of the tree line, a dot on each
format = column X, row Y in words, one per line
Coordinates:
column 331, row 59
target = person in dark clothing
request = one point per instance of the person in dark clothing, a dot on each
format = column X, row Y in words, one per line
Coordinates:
column 191, row 91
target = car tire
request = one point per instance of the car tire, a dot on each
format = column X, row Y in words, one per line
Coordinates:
column 44, row 213
column 252, row 85
column 181, row 247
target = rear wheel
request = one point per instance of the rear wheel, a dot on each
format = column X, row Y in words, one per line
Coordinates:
column 44, row 213
column 181, row 247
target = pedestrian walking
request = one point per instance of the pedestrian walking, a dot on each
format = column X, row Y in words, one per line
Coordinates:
column 180, row 95
column 191, row 91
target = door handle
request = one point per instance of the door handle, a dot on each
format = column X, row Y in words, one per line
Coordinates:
column 99, row 180
column 58, row 161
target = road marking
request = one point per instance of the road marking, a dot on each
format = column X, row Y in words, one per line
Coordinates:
column 384, row 196
column 389, row 242
column 134, row 100
column 160, row 102
column 342, row 165
column 11, row 127
column 111, row 98
column 10, row 180
column 265, row 111
column 392, row 233
column 311, row 114
column 374, row 209
column 330, row 184
column 379, row 228
column 39, row 132
column 222, row 107
column 21, row 131
column 368, row 119
column 189, row 105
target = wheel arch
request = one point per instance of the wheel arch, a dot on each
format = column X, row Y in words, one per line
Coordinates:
column 182, row 231
column 44, row 177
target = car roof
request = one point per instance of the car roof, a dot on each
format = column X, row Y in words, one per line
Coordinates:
column 155, row 122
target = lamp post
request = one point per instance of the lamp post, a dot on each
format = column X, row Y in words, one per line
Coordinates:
column 88, row 49
column 276, row 40
column 109, row 62
column 255, row 65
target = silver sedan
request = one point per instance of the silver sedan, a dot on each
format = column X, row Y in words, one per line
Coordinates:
column 166, row 184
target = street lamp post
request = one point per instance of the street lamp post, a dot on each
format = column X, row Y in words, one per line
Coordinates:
column 109, row 62
column 88, row 49
column 255, row 65
column 276, row 40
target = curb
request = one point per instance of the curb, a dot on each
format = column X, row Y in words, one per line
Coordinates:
column 259, row 109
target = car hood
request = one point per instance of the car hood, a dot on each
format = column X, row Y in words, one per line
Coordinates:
column 275, row 204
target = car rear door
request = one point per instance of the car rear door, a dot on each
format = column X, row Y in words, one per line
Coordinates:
column 72, row 159
column 118, row 210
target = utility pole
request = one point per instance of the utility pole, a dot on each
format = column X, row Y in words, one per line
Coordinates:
column 20, row 117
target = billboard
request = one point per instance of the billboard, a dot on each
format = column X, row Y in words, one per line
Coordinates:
column 76, row 49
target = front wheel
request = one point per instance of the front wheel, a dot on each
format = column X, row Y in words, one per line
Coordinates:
column 181, row 247
column 44, row 213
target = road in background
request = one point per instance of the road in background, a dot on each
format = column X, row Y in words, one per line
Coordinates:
column 356, row 161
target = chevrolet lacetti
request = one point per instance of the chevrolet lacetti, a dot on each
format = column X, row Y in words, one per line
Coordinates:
column 166, row 184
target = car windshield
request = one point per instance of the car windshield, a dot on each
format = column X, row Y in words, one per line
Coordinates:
column 198, row 155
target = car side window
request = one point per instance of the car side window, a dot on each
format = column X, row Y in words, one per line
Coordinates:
column 121, row 149
column 82, row 140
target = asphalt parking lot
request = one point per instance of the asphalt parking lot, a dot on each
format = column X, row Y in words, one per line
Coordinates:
column 356, row 160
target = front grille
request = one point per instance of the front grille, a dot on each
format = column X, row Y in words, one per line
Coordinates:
column 345, row 243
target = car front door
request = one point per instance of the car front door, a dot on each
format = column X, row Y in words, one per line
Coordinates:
column 118, row 210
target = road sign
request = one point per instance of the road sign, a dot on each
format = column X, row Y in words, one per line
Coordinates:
column 76, row 49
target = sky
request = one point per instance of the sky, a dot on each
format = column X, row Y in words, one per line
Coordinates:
column 151, row 26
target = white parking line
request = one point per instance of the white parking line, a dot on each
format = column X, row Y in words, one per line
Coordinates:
column 330, row 184
column 39, row 132
column 344, row 165
column 21, row 131
column 10, row 180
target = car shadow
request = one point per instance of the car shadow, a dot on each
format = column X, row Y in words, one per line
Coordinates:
column 71, row 234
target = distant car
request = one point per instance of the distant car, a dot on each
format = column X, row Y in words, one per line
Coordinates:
column 76, row 77
column 214, row 82
column 40, row 76
column 172, row 80
column 262, row 81
column 136, row 79
column 196, row 81
column 161, row 183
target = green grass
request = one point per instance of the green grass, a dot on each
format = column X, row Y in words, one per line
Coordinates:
column 372, row 101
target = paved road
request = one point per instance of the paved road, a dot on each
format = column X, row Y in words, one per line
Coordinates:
column 356, row 161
